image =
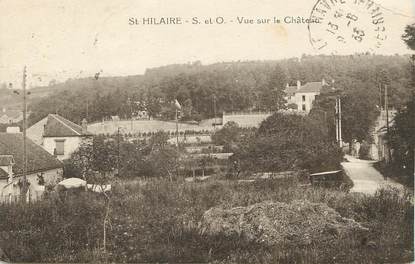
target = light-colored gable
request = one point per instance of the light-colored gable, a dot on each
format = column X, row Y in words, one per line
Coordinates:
column 35, row 132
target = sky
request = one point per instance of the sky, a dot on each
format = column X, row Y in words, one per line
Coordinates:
column 61, row 39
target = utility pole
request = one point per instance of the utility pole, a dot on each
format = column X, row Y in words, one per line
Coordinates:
column 177, row 129
column 336, row 120
column 118, row 150
column 387, row 120
column 214, row 112
column 24, row 183
column 413, row 93
column 340, row 123
column 87, row 109
column 131, row 113
column 380, row 96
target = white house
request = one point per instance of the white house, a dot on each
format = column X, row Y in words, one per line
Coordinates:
column 58, row 136
column 303, row 96
column 42, row 168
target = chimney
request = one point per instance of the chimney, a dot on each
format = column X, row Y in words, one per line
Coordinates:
column 287, row 85
column 4, row 110
column 84, row 125
column 323, row 82
column 298, row 84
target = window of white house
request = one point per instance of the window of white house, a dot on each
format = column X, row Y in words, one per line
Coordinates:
column 304, row 107
column 60, row 147
column 303, row 98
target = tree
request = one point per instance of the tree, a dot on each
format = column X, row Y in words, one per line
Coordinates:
column 359, row 113
column 272, row 94
column 358, row 110
column 227, row 136
column 133, row 159
column 402, row 138
column 187, row 109
column 289, row 142
column 97, row 161
column 402, row 132
column 163, row 162
column 409, row 36
column 238, row 86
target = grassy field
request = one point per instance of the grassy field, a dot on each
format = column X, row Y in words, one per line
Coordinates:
column 157, row 221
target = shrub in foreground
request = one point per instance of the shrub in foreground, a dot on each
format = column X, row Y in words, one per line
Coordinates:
column 158, row 222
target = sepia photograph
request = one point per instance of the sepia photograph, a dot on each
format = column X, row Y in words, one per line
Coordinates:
column 196, row 131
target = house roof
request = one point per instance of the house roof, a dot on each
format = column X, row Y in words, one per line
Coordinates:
column 310, row 87
column 3, row 174
column 57, row 126
column 38, row 159
column 290, row 90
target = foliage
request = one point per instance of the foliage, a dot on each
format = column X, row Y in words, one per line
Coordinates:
column 358, row 117
column 402, row 139
column 289, row 142
column 237, row 86
column 157, row 222
column 409, row 36
column 105, row 157
column 358, row 111
column 227, row 136
column 57, row 229
column 96, row 161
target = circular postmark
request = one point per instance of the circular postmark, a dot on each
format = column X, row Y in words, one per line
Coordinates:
column 347, row 26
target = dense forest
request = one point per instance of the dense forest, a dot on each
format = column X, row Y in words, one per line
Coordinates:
column 232, row 86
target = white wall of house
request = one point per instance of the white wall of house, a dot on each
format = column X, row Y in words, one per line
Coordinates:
column 70, row 145
column 304, row 101
column 11, row 191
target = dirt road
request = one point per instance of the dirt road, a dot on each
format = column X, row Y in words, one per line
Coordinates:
column 365, row 177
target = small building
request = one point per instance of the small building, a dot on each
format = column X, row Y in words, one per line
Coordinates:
column 303, row 96
column 42, row 168
column 59, row 136
column 10, row 116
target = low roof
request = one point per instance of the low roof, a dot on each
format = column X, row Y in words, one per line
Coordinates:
column 58, row 126
column 290, row 90
column 310, row 87
column 38, row 159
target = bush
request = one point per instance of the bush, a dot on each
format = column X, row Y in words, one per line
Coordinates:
column 289, row 142
column 158, row 222
column 56, row 229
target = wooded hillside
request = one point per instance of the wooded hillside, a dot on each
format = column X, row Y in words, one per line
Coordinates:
column 234, row 86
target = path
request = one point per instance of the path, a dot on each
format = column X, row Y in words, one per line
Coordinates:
column 365, row 177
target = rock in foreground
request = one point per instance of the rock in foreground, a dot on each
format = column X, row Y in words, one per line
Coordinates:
column 272, row 223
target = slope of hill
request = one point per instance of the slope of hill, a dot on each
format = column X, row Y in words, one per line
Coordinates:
column 230, row 86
